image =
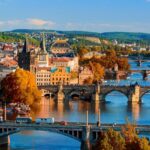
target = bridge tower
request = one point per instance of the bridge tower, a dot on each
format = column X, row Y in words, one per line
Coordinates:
column 95, row 96
column 60, row 94
column 134, row 96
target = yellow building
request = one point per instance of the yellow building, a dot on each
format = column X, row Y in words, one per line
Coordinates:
column 60, row 75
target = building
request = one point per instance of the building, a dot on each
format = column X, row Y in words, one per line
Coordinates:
column 43, row 76
column 89, row 55
column 24, row 56
column 60, row 75
column 84, row 74
column 60, row 47
column 7, row 65
column 48, row 68
column 66, row 62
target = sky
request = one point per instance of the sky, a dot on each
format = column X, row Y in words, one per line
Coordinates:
column 83, row 15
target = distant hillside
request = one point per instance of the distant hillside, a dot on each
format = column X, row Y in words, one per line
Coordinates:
column 143, row 38
column 15, row 37
column 68, row 33
column 126, row 36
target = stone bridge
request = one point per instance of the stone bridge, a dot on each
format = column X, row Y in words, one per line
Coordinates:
column 95, row 93
column 145, row 73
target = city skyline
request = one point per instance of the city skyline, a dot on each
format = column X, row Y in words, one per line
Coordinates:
column 85, row 15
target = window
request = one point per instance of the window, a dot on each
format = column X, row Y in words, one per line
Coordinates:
column 42, row 58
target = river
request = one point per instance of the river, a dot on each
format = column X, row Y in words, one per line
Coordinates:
column 115, row 109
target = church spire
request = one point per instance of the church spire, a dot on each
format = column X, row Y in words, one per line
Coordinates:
column 26, row 46
column 42, row 44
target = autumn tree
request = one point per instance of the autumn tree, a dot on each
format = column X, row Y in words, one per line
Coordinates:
column 83, row 51
column 127, row 139
column 74, row 75
column 20, row 86
column 89, row 80
column 123, row 64
column 98, row 71
column 110, row 140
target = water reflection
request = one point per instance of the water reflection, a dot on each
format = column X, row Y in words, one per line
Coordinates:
column 135, row 109
column 115, row 109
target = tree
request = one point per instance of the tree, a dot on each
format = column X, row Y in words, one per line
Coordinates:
column 89, row 80
column 125, row 140
column 110, row 140
column 98, row 71
column 123, row 64
column 74, row 75
column 83, row 51
column 20, row 86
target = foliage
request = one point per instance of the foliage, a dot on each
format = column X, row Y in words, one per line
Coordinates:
column 82, row 52
column 98, row 71
column 13, row 37
column 126, row 140
column 20, row 86
column 127, row 37
column 110, row 140
column 108, row 61
column 74, row 75
column 89, row 80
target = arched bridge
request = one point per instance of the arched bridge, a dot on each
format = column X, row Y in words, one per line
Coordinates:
column 80, row 132
column 95, row 93
column 86, row 134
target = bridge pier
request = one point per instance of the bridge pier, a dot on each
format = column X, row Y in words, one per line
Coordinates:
column 4, row 141
column 134, row 96
column 95, row 95
column 145, row 75
column 86, row 134
column 60, row 95
column 139, row 63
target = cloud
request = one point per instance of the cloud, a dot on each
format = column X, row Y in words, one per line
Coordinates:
column 40, row 22
column 36, row 23
column 147, row 0
column 26, row 23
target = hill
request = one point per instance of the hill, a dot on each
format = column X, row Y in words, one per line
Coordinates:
column 127, row 37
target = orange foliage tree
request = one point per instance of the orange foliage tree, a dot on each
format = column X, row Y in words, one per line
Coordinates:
column 98, row 71
column 127, row 139
column 20, row 86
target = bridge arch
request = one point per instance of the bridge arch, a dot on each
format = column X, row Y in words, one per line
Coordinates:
column 143, row 94
column 113, row 90
column 73, row 134
column 76, row 92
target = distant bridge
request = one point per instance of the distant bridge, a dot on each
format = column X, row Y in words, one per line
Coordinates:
column 96, row 93
column 86, row 134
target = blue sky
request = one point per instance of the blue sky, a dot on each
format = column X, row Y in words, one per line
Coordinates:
column 86, row 15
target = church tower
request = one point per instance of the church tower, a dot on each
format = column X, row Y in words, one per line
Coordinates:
column 24, row 56
column 42, row 54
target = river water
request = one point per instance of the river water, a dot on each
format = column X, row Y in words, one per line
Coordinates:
column 115, row 109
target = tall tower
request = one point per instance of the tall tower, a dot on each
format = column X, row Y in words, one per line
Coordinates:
column 42, row 54
column 24, row 56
